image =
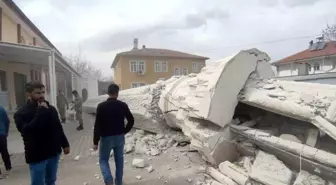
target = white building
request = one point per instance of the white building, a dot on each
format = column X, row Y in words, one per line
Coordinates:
column 315, row 64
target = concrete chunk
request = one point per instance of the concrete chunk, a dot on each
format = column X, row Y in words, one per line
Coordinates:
column 234, row 172
column 139, row 163
column 305, row 178
column 268, row 170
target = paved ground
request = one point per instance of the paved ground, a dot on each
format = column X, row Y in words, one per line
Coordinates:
column 86, row 169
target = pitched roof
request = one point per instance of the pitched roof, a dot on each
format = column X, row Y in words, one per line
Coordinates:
column 155, row 52
column 329, row 49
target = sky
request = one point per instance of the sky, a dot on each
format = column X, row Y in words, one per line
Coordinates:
column 99, row 29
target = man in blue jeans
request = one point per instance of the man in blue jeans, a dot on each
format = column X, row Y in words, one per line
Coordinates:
column 110, row 129
column 4, row 128
column 42, row 134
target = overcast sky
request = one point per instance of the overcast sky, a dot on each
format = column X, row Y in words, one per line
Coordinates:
column 212, row 28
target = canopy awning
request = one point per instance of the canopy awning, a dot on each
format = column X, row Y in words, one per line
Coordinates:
column 25, row 54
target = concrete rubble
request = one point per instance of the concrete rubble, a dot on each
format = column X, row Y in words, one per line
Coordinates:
column 252, row 128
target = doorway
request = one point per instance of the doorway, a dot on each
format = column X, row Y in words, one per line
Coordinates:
column 85, row 94
column 20, row 81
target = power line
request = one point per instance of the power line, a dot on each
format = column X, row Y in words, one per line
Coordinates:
column 266, row 42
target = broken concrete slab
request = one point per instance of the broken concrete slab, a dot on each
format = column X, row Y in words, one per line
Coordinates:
column 143, row 103
column 234, row 172
column 219, row 176
column 268, row 170
column 202, row 94
column 290, row 137
column 297, row 155
column 305, row 178
column 300, row 100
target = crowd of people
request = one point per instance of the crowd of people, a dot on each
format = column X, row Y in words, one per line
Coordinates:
column 40, row 125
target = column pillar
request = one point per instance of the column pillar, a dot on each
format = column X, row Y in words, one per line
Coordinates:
column 52, row 78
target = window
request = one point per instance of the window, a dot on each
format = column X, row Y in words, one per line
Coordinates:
column 35, row 75
column 177, row 71
column 136, row 66
column 160, row 66
column 135, row 85
column 185, row 71
column 316, row 67
column 194, row 67
column 309, row 67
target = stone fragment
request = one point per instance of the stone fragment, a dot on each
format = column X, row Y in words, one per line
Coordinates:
column 247, row 148
column 97, row 176
column 268, row 170
column 312, row 137
column 249, row 123
column 290, row 137
column 305, row 178
column 138, row 163
column 128, row 148
column 331, row 112
column 154, row 152
column 77, row 158
column 233, row 172
column 220, row 177
column 139, row 177
column 150, row 169
column 213, row 182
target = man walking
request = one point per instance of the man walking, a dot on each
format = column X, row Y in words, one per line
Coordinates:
column 4, row 128
column 62, row 105
column 110, row 129
column 42, row 134
column 78, row 108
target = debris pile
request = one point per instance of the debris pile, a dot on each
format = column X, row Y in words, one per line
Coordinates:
column 140, row 142
column 233, row 109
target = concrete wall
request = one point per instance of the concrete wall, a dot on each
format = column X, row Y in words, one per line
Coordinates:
column 124, row 77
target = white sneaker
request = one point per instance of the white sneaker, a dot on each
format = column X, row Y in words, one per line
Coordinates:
column 8, row 173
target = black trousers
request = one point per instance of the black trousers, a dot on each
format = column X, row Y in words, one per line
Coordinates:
column 4, row 153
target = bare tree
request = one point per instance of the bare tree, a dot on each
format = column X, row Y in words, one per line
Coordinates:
column 107, row 79
column 329, row 32
column 84, row 67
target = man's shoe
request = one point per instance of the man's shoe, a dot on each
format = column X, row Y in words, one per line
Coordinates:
column 80, row 128
column 8, row 173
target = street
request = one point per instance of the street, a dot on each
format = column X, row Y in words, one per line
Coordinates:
column 86, row 170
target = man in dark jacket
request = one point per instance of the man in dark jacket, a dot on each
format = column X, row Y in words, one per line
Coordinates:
column 110, row 129
column 4, row 128
column 42, row 134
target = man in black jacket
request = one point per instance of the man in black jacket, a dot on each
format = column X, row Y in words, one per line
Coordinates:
column 42, row 134
column 110, row 129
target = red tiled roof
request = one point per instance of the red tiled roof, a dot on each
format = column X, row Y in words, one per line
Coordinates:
column 154, row 52
column 329, row 49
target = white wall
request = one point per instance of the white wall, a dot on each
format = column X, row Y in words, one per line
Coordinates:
column 91, row 84
column 291, row 69
column 284, row 70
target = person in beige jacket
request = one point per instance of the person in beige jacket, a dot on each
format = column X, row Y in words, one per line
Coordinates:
column 62, row 105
